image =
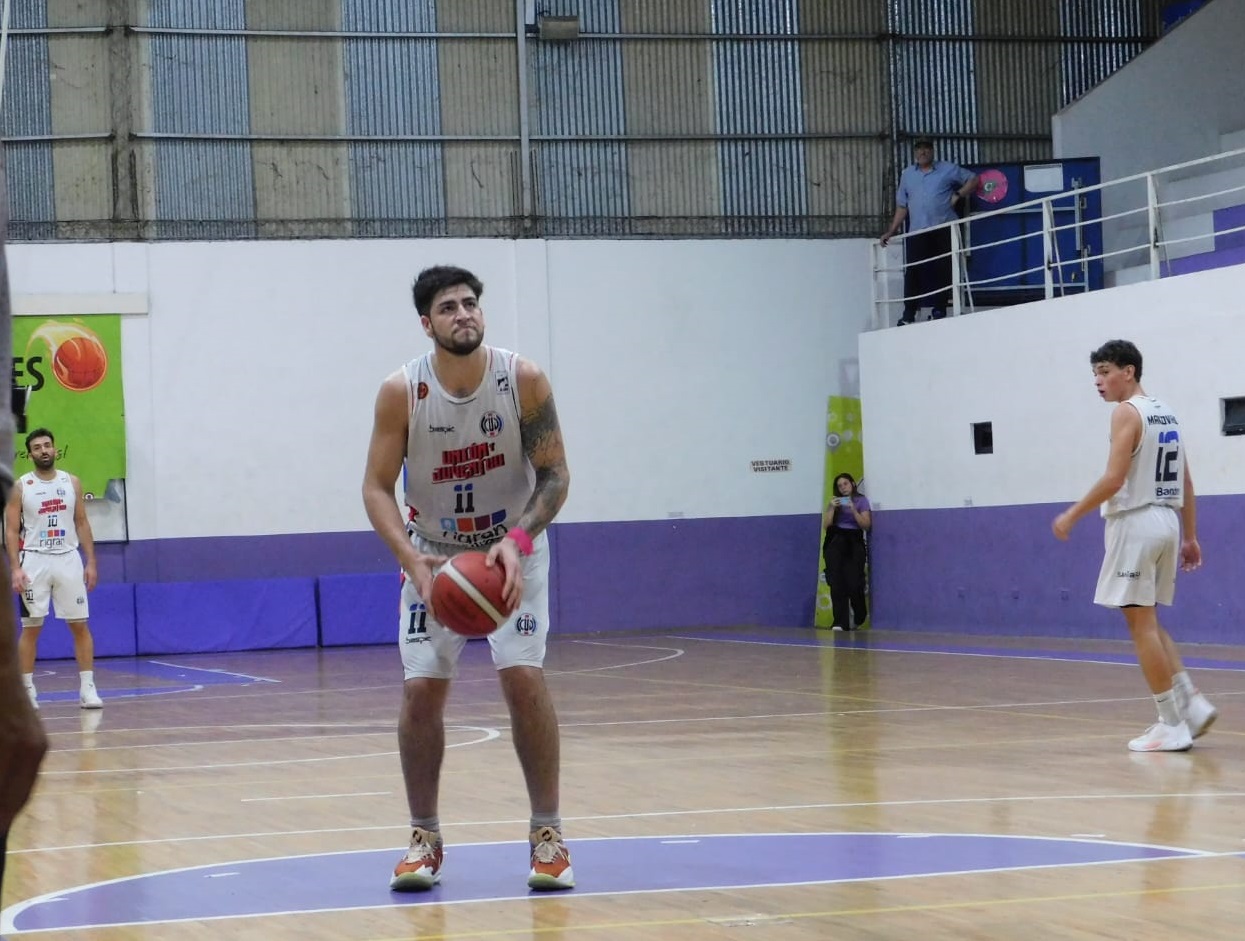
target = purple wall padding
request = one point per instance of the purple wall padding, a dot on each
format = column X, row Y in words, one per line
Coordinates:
column 1229, row 218
column 218, row 558
column 359, row 609
column 999, row 570
column 1220, row 258
column 759, row 571
column 111, row 621
column 193, row 617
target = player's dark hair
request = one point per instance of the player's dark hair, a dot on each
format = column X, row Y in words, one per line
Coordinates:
column 39, row 433
column 1119, row 353
column 432, row 281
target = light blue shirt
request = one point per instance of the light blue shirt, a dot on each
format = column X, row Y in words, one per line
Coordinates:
column 927, row 195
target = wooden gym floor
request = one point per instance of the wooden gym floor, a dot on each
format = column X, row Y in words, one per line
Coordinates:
column 767, row 784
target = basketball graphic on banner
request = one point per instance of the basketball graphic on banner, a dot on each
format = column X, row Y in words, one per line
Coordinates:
column 993, row 186
column 79, row 360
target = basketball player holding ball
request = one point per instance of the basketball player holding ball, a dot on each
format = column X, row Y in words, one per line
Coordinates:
column 476, row 429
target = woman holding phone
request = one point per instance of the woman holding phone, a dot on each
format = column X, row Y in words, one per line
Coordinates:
column 846, row 520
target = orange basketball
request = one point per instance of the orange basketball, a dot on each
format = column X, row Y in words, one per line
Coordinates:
column 467, row 595
column 80, row 363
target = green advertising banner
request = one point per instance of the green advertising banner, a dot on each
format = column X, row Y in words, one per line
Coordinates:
column 72, row 367
column 844, row 454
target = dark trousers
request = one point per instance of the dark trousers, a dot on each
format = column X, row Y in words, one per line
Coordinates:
column 844, row 552
column 925, row 273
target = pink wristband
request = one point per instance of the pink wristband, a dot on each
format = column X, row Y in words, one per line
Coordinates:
column 521, row 539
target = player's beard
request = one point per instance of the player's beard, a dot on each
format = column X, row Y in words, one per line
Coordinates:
column 44, row 462
column 463, row 347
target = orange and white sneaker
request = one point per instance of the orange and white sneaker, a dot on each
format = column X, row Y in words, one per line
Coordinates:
column 420, row 868
column 551, row 862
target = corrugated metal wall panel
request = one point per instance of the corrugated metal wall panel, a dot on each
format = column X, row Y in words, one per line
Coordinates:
column 195, row 14
column 658, row 129
column 392, row 87
column 849, row 186
column 935, row 80
column 476, row 16
column 1085, row 64
column 577, row 91
column 81, row 103
column 666, row 17
column 296, row 88
column 27, row 111
column 481, row 182
column 759, row 93
column 855, row 17
column 669, row 88
column 198, row 85
column 480, row 95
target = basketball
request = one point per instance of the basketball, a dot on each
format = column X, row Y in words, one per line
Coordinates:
column 80, row 363
column 467, row 595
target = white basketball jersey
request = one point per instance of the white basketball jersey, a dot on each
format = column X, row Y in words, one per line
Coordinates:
column 467, row 478
column 1156, row 472
column 47, row 514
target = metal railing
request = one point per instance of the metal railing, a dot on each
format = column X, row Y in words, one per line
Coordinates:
column 1150, row 222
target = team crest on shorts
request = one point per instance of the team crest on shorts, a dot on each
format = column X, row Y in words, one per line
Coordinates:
column 525, row 625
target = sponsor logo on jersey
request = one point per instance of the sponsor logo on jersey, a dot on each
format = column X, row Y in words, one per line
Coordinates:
column 1127, row 574
column 483, row 537
column 503, row 381
column 441, row 429
column 525, row 625
column 421, row 391
column 1166, row 493
column 472, row 524
column 491, row 425
column 475, row 460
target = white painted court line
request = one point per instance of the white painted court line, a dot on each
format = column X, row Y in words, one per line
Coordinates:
column 308, row 797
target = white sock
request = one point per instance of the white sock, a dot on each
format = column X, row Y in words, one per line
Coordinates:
column 1169, row 712
column 86, row 677
column 1183, row 685
column 29, row 680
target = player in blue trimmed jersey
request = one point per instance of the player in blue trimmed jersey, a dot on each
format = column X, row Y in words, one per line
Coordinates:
column 1146, row 496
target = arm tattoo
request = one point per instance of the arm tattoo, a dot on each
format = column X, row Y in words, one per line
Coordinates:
column 542, row 445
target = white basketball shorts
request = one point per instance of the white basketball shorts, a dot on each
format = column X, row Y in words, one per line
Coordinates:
column 55, row 577
column 431, row 650
column 1142, row 553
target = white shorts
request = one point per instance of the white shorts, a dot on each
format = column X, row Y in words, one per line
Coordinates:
column 1142, row 552
column 432, row 650
column 55, row 577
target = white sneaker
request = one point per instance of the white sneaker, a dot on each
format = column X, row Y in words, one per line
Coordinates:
column 1200, row 714
column 1161, row 737
column 34, row 696
column 88, row 698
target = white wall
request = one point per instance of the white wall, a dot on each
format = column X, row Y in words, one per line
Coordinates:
column 1026, row 369
column 249, row 385
column 1170, row 104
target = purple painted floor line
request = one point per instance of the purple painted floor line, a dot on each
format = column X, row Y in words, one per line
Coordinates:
column 862, row 641
column 497, row 871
